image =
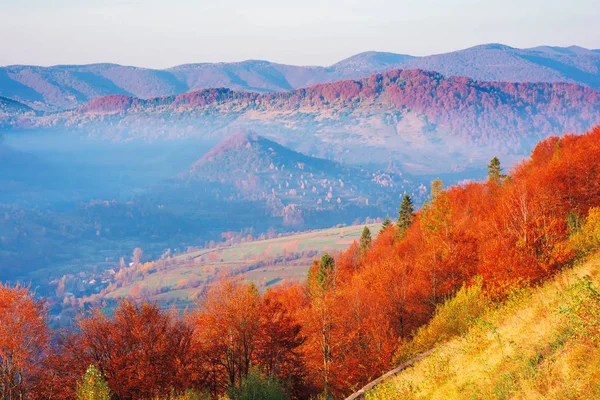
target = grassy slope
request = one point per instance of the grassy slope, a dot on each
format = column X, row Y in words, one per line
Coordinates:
column 524, row 349
column 201, row 265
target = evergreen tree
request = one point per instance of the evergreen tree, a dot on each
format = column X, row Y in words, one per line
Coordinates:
column 92, row 386
column 324, row 271
column 406, row 214
column 495, row 171
column 365, row 240
column 386, row 223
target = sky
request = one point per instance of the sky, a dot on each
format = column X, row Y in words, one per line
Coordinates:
column 161, row 33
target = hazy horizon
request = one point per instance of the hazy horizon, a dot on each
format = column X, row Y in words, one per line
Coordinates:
column 152, row 34
column 302, row 65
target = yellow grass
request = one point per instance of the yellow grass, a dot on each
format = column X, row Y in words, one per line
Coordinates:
column 526, row 349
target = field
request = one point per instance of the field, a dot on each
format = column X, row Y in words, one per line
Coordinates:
column 265, row 262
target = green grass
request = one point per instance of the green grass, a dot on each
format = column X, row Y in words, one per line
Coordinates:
column 202, row 264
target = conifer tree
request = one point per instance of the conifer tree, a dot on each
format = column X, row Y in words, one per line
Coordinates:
column 92, row 386
column 406, row 214
column 326, row 267
column 365, row 240
column 495, row 171
column 386, row 223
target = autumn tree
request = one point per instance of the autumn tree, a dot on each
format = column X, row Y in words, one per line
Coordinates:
column 92, row 386
column 142, row 351
column 436, row 187
column 406, row 214
column 227, row 328
column 322, row 284
column 137, row 256
column 280, row 337
column 23, row 340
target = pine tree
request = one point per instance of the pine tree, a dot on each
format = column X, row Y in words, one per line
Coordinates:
column 386, row 223
column 92, row 386
column 365, row 240
column 495, row 171
column 324, row 271
column 406, row 214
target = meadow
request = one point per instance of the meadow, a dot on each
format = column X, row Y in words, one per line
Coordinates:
column 266, row 262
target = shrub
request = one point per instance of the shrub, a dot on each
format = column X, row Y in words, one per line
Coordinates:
column 92, row 386
column 452, row 318
column 586, row 239
column 257, row 386
column 583, row 311
column 189, row 395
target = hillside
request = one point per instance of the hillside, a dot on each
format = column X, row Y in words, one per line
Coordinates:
column 469, row 260
column 11, row 111
column 423, row 121
column 259, row 169
column 497, row 62
column 67, row 86
column 541, row 343
column 8, row 106
column 267, row 262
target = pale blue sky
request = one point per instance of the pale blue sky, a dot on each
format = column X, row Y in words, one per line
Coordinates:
column 161, row 33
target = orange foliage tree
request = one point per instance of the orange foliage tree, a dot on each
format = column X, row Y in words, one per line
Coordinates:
column 24, row 337
column 236, row 328
column 512, row 231
column 142, row 351
column 340, row 329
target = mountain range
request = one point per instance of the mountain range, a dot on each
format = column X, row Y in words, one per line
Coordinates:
column 422, row 121
column 68, row 86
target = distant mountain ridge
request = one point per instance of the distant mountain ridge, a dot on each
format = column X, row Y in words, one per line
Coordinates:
column 11, row 111
column 68, row 86
column 420, row 118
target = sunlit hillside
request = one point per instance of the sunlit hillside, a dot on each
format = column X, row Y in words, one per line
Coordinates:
column 541, row 344
column 267, row 262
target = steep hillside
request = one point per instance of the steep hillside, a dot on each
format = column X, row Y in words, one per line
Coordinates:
column 258, row 166
column 11, row 111
column 251, row 169
column 541, row 344
column 8, row 106
column 422, row 120
column 68, row 86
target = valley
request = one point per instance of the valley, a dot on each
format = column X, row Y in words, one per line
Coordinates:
column 263, row 230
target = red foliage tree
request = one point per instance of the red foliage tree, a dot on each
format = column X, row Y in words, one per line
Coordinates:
column 142, row 351
column 24, row 337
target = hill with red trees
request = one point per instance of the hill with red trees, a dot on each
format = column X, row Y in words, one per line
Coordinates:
column 425, row 121
column 63, row 87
